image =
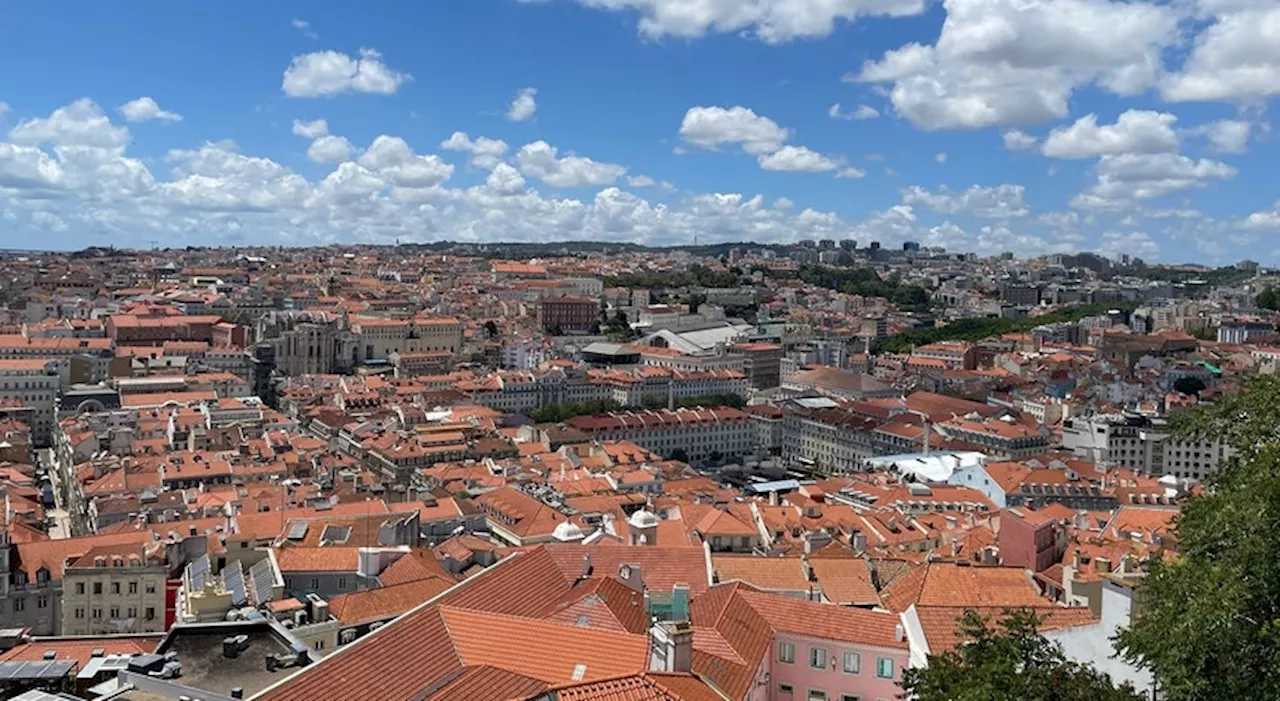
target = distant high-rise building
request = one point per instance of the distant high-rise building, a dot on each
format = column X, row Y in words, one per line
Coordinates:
column 849, row 244
column 826, row 244
column 910, row 246
column 875, row 245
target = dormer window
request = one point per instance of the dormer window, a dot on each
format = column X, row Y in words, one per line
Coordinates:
column 42, row 575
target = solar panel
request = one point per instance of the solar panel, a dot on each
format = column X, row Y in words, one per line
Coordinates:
column 336, row 534
column 260, row 579
column 54, row 669
column 297, row 530
column 198, row 570
column 233, row 578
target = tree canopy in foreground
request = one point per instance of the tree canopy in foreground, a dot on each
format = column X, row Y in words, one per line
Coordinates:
column 1209, row 625
column 1008, row 661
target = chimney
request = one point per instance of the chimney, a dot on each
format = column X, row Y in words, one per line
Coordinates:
column 671, row 647
column 1102, row 564
column 899, row 633
column 859, row 542
column 586, row 566
column 632, row 576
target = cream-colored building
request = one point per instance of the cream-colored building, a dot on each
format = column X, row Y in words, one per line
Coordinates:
column 115, row 589
column 32, row 384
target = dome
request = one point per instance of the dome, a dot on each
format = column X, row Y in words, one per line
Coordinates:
column 566, row 531
column 643, row 519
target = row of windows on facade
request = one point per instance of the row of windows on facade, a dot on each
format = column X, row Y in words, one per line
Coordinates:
column 817, row 694
column 852, row 660
column 115, row 587
column 20, row 603
column 150, row 613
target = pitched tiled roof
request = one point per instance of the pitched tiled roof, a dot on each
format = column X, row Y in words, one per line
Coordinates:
column 384, row 602
column 845, row 581
column 662, row 567
column 332, row 559
column 643, row 687
column 940, row 623
column 428, row 651
column 961, row 584
column 842, row 623
column 770, row 573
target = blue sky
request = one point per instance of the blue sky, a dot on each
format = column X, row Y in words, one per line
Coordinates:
column 987, row 125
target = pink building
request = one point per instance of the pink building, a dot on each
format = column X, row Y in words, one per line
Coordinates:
column 764, row 647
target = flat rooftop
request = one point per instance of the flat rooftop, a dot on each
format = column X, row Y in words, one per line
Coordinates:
column 203, row 666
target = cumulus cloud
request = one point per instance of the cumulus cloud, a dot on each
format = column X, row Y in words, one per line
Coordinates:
column 541, row 160
column 1126, row 180
column 1227, row 135
column 1135, row 131
column 798, row 159
column 999, row 202
column 1018, row 140
column 713, row 127
column 329, row 149
column 524, row 106
column 82, row 123
column 145, row 109
column 328, row 73
column 310, row 130
column 485, row 152
column 1015, row 62
column 771, row 21
column 1236, row 58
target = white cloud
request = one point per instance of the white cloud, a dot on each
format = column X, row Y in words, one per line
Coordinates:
column 304, row 27
column 771, row 21
column 327, row 73
column 485, row 152
column 1127, row 179
column 851, row 173
column 1268, row 220
column 1018, row 140
column 1227, row 135
column 145, row 109
column 5, row 109
column 505, row 180
column 310, row 130
column 1011, row 62
column 641, row 181
column 329, row 149
column 940, row 157
column 82, row 123
column 523, row 106
column 391, row 158
column 540, row 160
column 797, row 159
column 1135, row 131
column 860, row 112
column 999, row 202
column 1134, row 244
column 1237, row 58
column 712, row 127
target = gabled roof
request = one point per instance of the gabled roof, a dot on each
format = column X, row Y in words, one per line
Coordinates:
column 490, row 620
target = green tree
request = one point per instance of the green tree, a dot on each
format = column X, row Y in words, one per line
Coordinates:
column 1189, row 385
column 1209, row 626
column 491, row 328
column 1269, row 299
column 680, row 454
column 1008, row 661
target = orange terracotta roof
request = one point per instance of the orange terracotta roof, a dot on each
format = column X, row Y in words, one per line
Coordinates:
column 769, row 573
column 385, row 602
column 845, row 581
